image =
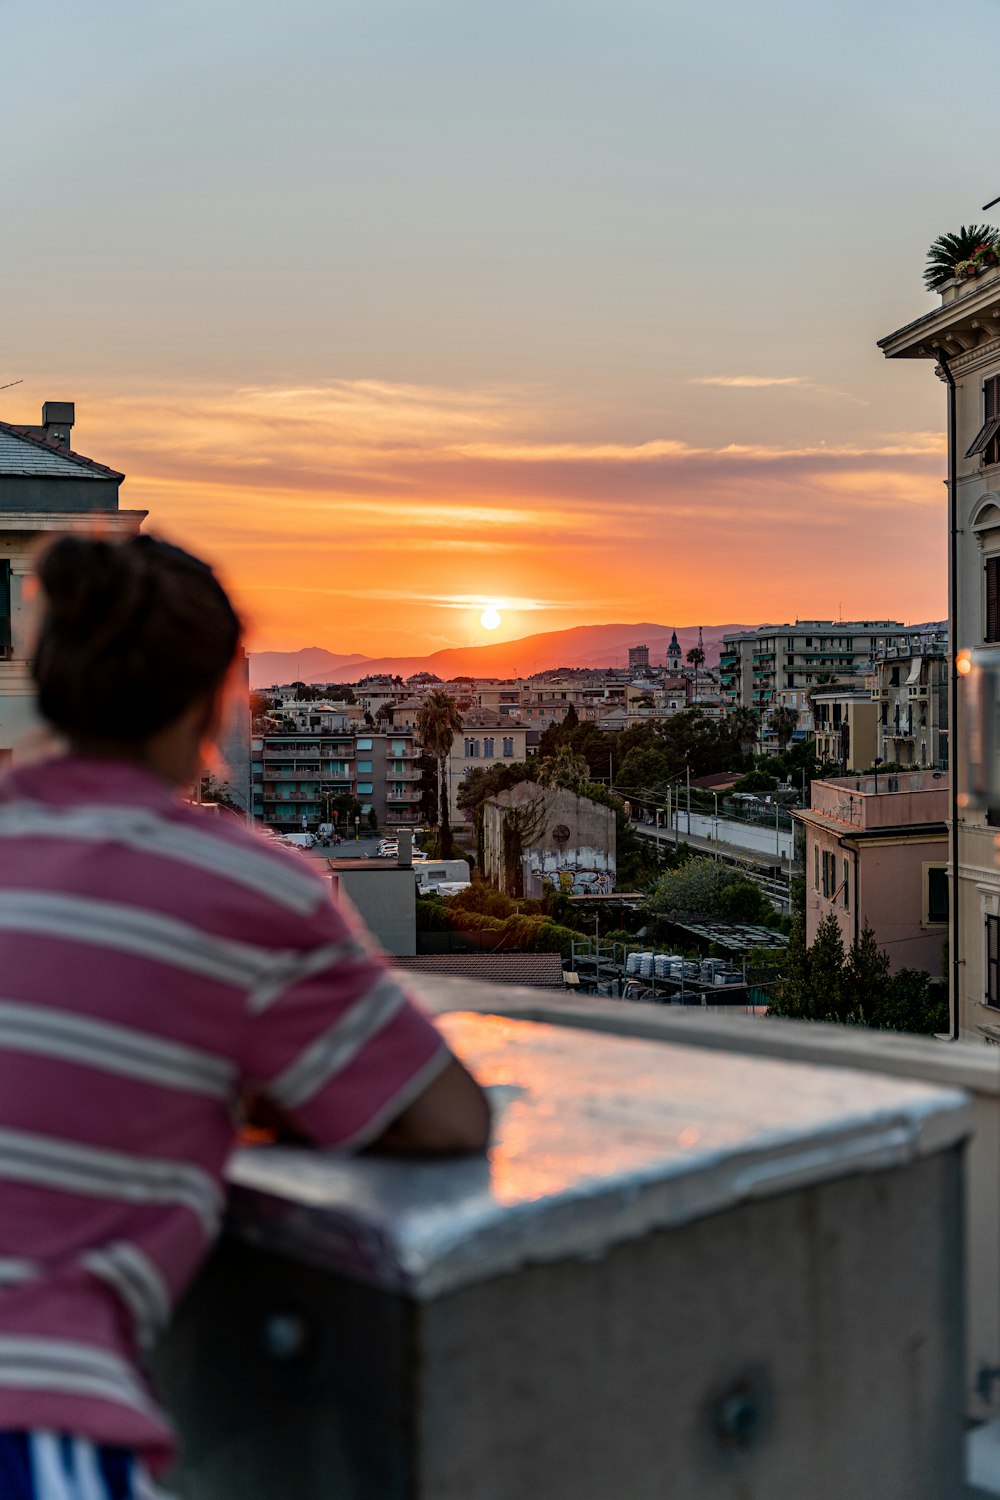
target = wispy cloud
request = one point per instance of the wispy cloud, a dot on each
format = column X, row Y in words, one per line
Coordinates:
column 350, row 512
column 748, row 382
column 761, row 382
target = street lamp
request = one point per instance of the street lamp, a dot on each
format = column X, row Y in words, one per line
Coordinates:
column 878, row 761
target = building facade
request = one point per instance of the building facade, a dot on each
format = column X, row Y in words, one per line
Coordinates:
column 762, row 668
column 877, row 852
column 297, row 777
column 910, row 686
column 484, row 744
column 45, row 489
column 960, row 341
column 845, row 724
column 563, row 840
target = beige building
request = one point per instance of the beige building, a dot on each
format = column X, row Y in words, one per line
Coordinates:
column 775, row 665
column 845, row 724
column 45, row 488
column 960, row 341
column 910, row 685
column 486, row 743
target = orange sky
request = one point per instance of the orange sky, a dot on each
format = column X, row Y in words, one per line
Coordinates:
column 397, row 310
column 363, row 516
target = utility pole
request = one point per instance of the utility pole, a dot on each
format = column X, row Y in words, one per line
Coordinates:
column 688, row 770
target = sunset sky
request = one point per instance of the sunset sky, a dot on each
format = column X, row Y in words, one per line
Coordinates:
column 400, row 309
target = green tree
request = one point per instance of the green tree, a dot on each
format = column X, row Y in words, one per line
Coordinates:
column 783, row 723
column 744, row 723
column 565, row 769
column 696, row 658
column 438, row 722
column 949, row 250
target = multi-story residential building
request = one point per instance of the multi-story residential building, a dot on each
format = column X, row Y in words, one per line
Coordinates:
column 876, row 852
column 845, row 723
column 960, row 339
column 909, row 684
column 296, row 776
column 757, row 666
column 638, row 657
column 485, row 744
column 45, row 488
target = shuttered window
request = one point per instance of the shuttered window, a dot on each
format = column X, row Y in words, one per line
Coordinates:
column 993, row 961
column 992, row 623
column 987, row 439
column 5, row 640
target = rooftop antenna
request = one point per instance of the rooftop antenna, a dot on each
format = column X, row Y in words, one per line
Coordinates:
column 11, row 383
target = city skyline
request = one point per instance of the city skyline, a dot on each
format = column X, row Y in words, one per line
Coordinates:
column 561, row 312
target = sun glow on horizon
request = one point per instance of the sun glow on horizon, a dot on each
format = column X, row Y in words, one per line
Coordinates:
column 490, row 619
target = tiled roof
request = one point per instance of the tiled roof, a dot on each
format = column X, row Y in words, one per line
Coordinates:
column 23, row 453
column 543, row 971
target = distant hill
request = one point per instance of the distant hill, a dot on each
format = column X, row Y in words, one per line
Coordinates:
column 581, row 646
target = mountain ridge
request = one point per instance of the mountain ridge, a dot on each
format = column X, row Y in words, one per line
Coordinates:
column 579, row 646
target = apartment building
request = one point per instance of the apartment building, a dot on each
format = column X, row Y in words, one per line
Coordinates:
column 762, row 668
column 297, row 776
column 910, row 686
column 485, row 743
column 845, row 724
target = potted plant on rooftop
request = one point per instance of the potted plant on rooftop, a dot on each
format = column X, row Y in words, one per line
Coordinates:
column 975, row 248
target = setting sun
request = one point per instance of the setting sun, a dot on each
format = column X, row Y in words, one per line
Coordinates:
column 490, row 618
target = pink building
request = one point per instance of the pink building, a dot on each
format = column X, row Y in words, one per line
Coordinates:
column 881, row 856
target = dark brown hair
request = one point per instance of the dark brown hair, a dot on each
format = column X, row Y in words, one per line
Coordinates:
column 132, row 633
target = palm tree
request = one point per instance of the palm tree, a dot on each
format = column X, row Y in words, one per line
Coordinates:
column 745, row 723
column 438, row 722
column 696, row 659
column 783, row 722
column 949, row 249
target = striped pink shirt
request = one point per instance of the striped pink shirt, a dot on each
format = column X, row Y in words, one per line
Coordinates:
column 153, row 963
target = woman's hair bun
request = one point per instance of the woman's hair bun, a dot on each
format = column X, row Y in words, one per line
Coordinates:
column 132, row 633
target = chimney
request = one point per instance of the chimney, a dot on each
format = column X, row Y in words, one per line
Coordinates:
column 57, row 419
column 405, row 855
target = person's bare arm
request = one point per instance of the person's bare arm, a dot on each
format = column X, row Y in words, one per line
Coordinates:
column 451, row 1117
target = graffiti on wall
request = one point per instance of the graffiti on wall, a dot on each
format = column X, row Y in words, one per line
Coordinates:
column 583, row 882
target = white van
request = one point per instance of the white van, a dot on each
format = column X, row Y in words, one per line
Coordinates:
column 300, row 840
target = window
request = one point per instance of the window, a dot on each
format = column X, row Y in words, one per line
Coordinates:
column 993, row 961
column 488, row 746
column 471, row 749
column 986, row 442
column 364, row 767
column 364, row 788
column 508, row 745
column 847, row 885
column 991, row 568
column 937, row 893
column 816, row 866
column 5, row 636
column 364, row 744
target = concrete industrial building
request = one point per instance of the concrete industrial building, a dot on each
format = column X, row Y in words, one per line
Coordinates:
column 563, row 840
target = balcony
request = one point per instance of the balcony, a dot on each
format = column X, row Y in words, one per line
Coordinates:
column 411, row 796
column 701, row 1261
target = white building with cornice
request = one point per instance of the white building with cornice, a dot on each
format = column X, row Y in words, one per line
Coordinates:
column 960, row 341
column 45, row 489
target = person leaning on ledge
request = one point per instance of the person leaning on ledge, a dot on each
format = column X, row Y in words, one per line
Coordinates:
column 158, row 965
